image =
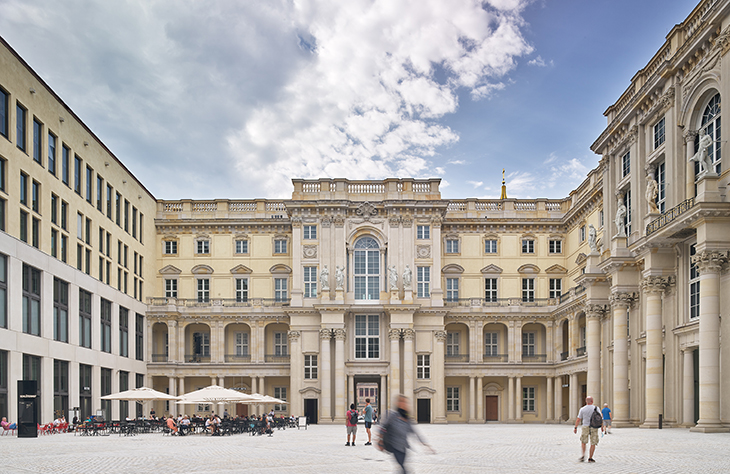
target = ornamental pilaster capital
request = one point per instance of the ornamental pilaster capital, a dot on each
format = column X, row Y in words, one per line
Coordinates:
column 325, row 333
column 340, row 334
column 296, row 221
column 620, row 299
column 172, row 323
column 436, row 221
column 710, row 261
column 440, row 336
column 654, row 284
column 339, row 221
column 394, row 334
column 595, row 311
column 409, row 334
column 689, row 135
column 294, row 335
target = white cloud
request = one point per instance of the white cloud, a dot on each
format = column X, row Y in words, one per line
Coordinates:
column 475, row 184
column 539, row 62
column 456, row 162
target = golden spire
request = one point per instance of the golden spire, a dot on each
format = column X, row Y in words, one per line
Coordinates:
column 504, row 187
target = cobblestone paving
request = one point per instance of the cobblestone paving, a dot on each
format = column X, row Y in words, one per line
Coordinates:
column 461, row 449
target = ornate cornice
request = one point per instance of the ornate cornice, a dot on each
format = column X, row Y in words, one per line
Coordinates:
column 710, row 261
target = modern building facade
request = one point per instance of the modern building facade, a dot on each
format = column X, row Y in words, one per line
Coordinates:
column 503, row 310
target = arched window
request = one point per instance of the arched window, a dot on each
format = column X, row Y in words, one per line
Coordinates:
column 711, row 126
column 367, row 269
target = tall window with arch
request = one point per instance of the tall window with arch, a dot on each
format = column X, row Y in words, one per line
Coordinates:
column 367, row 269
column 711, row 125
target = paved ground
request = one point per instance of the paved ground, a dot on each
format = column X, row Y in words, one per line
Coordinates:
column 460, row 449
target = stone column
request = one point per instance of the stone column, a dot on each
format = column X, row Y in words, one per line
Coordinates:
column 653, row 287
column 394, row 335
column 709, row 263
column 518, row 399
column 549, row 401
column 172, row 342
column 472, row 400
column 254, row 389
column 350, row 399
column 594, row 313
column 480, row 400
column 340, row 375
column 180, row 391
column 181, row 342
column 383, row 396
column 689, row 140
column 688, row 388
column 437, row 366
column 511, row 399
column 573, row 335
column 574, row 392
column 296, row 373
column 325, row 336
column 171, row 390
column 408, row 363
column 559, row 398
column 620, row 410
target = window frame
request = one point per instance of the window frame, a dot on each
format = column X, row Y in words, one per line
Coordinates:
column 452, row 289
column 491, row 343
column 693, row 285
column 85, row 318
column 309, row 273
column 281, row 289
column 528, row 290
column 32, row 285
column 423, row 281
column 423, row 366
column 528, row 399
column 555, row 246
column 491, row 246
column 659, row 133
column 423, row 232
column 311, row 367
column 626, row 164
column 105, row 326
column 453, row 343
column 366, row 336
column 555, row 288
column 202, row 286
column 60, row 310
column 491, row 295
column 453, row 399
column 241, row 292
column 528, row 246
column 309, row 232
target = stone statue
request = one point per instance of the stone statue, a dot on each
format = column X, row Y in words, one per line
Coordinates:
column 393, row 277
column 703, row 156
column 324, row 278
column 339, row 277
column 407, row 277
column 592, row 238
column 619, row 221
column 652, row 190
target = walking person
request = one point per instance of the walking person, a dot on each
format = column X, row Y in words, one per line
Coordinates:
column 607, row 418
column 368, row 415
column 589, row 430
column 394, row 432
column 351, row 422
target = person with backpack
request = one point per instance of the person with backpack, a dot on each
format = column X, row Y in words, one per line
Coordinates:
column 592, row 421
column 351, row 422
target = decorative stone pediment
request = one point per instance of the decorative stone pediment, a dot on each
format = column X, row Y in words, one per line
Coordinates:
column 491, row 268
column 202, row 270
column 280, row 268
column 528, row 268
column 492, row 388
column 581, row 258
column 424, row 392
column 310, row 392
column 170, row 270
column 556, row 269
column 241, row 270
column 452, row 268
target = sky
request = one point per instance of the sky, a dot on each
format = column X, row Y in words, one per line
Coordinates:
column 233, row 99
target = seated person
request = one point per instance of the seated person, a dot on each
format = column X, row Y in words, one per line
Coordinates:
column 184, row 425
column 7, row 426
column 171, row 424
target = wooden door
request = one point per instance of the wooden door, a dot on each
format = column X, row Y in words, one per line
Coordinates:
column 491, row 407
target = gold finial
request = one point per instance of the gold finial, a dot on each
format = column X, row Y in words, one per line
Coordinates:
column 504, row 187
column 502, row 175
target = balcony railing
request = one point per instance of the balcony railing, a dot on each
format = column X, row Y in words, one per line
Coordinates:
column 534, row 357
column 238, row 358
column 572, row 293
column 669, row 216
column 224, row 302
column 500, row 302
column 159, row 357
column 197, row 358
column 496, row 357
column 277, row 359
column 581, row 351
column 457, row 357
column 564, row 355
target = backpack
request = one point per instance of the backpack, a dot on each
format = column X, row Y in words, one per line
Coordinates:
column 596, row 419
column 385, row 443
column 353, row 417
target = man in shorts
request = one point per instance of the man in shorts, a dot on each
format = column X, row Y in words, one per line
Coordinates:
column 368, row 415
column 587, row 433
column 607, row 417
column 351, row 427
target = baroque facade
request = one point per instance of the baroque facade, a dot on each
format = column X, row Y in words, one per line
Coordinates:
column 504, row 310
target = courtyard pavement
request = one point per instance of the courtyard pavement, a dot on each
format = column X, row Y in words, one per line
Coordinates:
column 459, row 449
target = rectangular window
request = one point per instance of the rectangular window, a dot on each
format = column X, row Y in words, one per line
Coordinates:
column 118, row 207
column 87, row 231
column 423, row 366
column 60, row 387
column 141, row 228
column 77, row 175
column 123, row 386
column 35, row 233
column 310, row 282
column 694, row 285
column 367, row 336
column 134, row 222
column 3, row 169
column 123, row 332
column 202, row 247
column 528, row 289
column 106, row 325
column 626, row 164
column 139, row 337
column 37, row 143
column 310, row 367
column 84, row 318
column 2, row 214
column 491, row 347
column 31, row 300
column 126, row 216
column 423, row 232
column 3, row 292
column 54, row 209
column 453, row 345
column 452, row 246
column 452, row 289
column 24, row 226
column 309, row 232
column 280, row 246
column 582, row 233
column 80, row 226
column 241, row 246
column 64, row 215
column 659, row 133
column 126, row 255
column 528, row 343
column 661, row 178
column 24, row 189
column 423, row 279
column 65, row 164
column 528, row 399
column 170, row 288
column 556, row 287
column 555, row 246
column 280, row 344
column 4, row 115
column 35, row 198
column 169, row 247
column 106, row 389
column 60, row 310
column 64, row 248
column 109, row 193
column 100, row 193
column 490, row 246
column 20, row 117
column 85, row 391
column 203, row 290
column 51, row 153
column 280, row 289
column 242, row 347
column 241, row 290
column 453, row 399
column 280, row 393
column 490, row 290
column 528, row 246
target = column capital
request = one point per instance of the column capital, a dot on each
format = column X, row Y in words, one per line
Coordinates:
column 394, row 334
column 620, row 299
column 294, row 335
column 710, row 261
column 325, row 333
column 689, row 135
column 340, row 334
column 654, row 284
column 409, row 334
column 440, row 336
column 596, row 311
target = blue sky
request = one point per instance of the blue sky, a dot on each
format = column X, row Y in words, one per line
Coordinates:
column 231, row 99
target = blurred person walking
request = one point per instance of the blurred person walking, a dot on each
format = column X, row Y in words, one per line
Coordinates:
column 393, row 436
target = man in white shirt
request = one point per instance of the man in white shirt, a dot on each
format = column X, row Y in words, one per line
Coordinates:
column 584, row 418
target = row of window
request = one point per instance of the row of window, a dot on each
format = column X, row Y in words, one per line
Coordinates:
column 453, row 399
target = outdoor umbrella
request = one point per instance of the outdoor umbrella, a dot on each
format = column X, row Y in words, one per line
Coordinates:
column 142, row 394
column 214, row 394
